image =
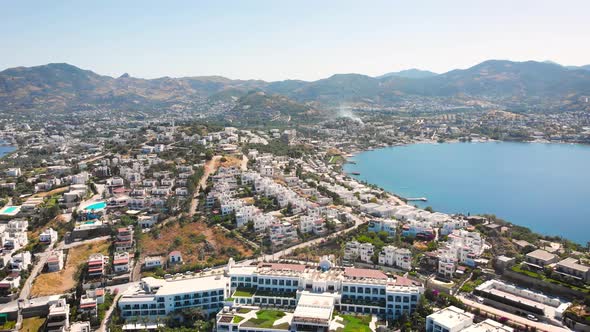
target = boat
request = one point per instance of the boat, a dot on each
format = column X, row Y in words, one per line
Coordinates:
column 355, row 173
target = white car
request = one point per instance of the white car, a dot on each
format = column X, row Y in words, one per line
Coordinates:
column 531, row 317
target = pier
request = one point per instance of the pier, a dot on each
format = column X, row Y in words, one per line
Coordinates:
column 415, row 199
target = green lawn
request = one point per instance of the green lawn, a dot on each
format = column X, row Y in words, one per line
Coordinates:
column 243, row 292
column 265, row 319
column 244, row 310
column 355, row 323
column 237, row 319
column 9, row 325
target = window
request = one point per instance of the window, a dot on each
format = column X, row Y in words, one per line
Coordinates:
column 274, row 281
column 345, row 289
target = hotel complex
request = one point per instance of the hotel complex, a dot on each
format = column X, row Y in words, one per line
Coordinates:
column 308, row 293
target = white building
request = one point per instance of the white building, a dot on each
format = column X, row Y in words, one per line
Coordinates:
column 48, row 236
column 398, row 257
column 55, row 261
column 152, row 262
column 450, row 319
column 355, row 250
column 14, row 172
column 156, row 298
column 20, row 261
column 58, row 318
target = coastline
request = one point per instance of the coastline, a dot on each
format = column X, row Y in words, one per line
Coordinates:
column 403, row 200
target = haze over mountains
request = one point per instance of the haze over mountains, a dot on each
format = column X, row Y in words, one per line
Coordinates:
column 65, row 87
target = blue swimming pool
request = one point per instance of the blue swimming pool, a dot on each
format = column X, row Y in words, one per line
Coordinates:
column 96, row 206
column 9, row 209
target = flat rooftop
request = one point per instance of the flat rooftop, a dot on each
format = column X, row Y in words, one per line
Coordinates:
column 451, row 316
column 190, row 285
column 488, row 325
column 314, row 306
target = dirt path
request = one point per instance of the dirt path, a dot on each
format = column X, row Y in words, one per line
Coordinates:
column 210, row 168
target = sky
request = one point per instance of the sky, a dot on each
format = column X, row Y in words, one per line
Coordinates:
column 276, row 40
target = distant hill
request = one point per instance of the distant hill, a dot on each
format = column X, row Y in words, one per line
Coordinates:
column 66, row 87
column 410, row 73
column 257, row 107
column 585, row 67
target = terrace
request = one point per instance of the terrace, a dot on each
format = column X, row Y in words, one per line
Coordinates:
column 267, row 319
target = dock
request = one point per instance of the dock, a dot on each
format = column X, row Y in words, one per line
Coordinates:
column 415, row 199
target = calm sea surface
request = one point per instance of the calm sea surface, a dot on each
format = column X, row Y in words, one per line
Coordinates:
column 545, row 187
column 6, row 149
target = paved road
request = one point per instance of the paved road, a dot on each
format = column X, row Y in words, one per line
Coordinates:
column 511, row 317
column 37, row 268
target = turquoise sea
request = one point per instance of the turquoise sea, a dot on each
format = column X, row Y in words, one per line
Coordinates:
column 545, row 187
column 5, row 149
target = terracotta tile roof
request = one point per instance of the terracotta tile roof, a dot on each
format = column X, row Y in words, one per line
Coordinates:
column 364, row 273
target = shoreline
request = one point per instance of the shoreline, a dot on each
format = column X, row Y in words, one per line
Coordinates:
column 404, row 199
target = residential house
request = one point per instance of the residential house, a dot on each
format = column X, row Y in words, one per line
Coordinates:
column 58, row 318
column 540, row 258
column 398, row 257
column 152, row 262
column 48, row 236
column 55, row 261
column 175, row 257
column 121, row 262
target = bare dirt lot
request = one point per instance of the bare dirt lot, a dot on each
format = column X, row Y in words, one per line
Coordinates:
column 197, row 242
column 62, row 281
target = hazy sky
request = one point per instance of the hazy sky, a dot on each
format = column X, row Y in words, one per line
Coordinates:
column 297, row 39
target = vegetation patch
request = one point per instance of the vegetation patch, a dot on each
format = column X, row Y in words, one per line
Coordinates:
column 32, row 324
column 198, row 243
column 265, row 319
column 244, row 292
column 355, row 323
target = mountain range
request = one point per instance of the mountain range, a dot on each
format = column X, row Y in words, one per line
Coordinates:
column 61, row 86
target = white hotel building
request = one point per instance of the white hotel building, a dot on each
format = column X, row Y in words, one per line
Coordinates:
column 349, row 290
column 155, row 298
column 360, row 291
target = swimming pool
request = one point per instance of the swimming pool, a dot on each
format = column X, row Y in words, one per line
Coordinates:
column 96, row 206
column 9, row 209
